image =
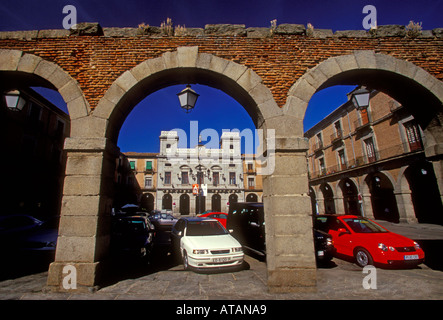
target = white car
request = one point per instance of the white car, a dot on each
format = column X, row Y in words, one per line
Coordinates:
column 205, row 243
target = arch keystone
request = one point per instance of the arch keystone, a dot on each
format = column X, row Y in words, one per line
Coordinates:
column 187, row 56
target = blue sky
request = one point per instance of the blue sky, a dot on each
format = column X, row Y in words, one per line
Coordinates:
column 214, row 108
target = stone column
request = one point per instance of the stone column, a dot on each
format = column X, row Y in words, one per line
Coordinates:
column 437, row 163
column 320, row 203
column 405, row 206
column 84, row 231
column 367, row 206
column 339, row 204
column 289, row 237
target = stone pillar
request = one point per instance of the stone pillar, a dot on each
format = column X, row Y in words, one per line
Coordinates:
column 339, row 205
column 405, row 206
column 437, row 163
column 84, row 231
column 289, row 237
column 320, row 203
column 367, row 206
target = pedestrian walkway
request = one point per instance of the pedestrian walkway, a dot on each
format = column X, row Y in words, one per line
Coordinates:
column 415, row 231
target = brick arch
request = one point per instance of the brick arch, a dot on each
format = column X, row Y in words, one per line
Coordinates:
column 186, row 65
column 378, row 71
column 34, row 69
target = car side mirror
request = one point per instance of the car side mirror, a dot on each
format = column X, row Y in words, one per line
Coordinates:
column 342, row 231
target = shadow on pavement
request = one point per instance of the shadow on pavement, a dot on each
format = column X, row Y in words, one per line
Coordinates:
column 433, row 253
column 19, row 264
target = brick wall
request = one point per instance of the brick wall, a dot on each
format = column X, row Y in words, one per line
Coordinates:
column 96, row 61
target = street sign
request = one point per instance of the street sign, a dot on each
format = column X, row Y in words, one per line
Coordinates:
column 195, row 189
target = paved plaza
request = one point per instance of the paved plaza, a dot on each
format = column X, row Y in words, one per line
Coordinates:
column 340, row 280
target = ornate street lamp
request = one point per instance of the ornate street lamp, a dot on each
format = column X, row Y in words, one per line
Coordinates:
column 360, row 98
column 14, row 101
column 187, row 98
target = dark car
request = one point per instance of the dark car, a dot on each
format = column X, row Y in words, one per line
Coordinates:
column 133, row 235
column 163, row 223
column 247, row 224
column 25, row 232
column 324, row 248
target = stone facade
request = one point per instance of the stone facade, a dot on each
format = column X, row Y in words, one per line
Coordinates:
column 165, row 180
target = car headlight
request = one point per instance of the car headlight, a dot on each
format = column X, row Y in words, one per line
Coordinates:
column 383, row 247
column 416, row 246
column 329, row 242
column 200, row 251
column 237, row 249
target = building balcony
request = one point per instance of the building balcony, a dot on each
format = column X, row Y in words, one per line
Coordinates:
column 337, row 136
column 363, row 122
column 318, row 146
column 377, row 157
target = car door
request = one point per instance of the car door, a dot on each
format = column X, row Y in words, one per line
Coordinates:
column 341, row 236
column 176, row 234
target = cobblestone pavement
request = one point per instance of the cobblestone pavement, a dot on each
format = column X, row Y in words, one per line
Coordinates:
column 339, row 280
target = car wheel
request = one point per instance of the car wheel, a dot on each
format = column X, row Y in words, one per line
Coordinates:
column 185, row 261
column 363, row 258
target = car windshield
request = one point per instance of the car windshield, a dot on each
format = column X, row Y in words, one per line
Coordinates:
column 359, row 225
column 204, row 228
column 131, row 226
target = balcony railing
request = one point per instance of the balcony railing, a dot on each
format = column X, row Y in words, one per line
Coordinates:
column 398, row 150
column 318, row 146
column 337, row 136
column 363, row 122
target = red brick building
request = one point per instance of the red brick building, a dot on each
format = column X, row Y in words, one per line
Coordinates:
column 370, row 161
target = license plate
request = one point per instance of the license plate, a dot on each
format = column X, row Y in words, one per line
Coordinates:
column 226, row 259
column 320, row 253
column 411, row 257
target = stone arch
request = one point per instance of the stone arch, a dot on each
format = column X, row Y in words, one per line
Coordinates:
column 186, row 65
column 378, row 71
column 28, row 68
column 381, row 185
column 348, row 189
column 93, row 150
column 328, row 197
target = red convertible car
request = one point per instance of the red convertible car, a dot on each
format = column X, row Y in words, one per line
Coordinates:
column 368, row 242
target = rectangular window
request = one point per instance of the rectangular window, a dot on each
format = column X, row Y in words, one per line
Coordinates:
column 148, row 182
column 251, row 183
column 321, row 163
column 185, row 177
column 132, row 165
column 215, row 178
column 231, row 177
column 413, row 135
column 370, row 150
column 364, row 116
column 167, row 177
column 342, row 159
column 148, row 165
